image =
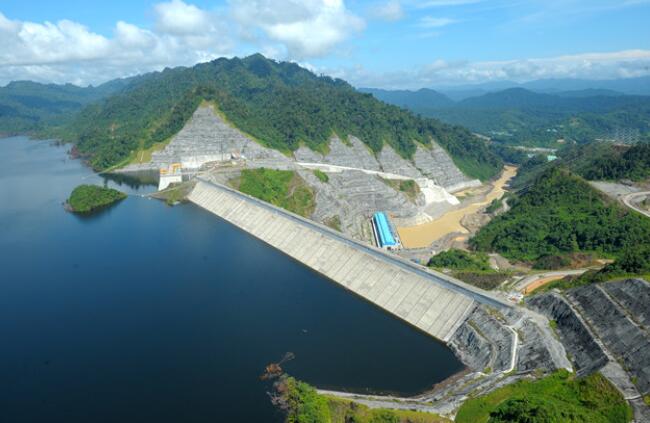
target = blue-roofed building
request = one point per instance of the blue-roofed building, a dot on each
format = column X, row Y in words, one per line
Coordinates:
column 384, row 236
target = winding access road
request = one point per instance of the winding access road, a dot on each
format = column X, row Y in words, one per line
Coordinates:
column 628, row 201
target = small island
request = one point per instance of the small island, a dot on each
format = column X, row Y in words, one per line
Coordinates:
column 88, row 198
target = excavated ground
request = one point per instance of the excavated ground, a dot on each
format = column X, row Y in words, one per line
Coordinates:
column 498, row 346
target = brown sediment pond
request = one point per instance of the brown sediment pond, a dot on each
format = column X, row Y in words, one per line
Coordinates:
column 421, row 236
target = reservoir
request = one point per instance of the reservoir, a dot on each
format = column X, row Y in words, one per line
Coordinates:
column 145, row 312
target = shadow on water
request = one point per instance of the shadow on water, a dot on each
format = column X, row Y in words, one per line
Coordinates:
column 135, row 180
column 95, row 214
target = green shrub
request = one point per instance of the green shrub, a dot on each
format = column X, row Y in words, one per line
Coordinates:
column 552, row 262
column 305, row 405
column 322, row 176
column 460, row 260
column 525, row 410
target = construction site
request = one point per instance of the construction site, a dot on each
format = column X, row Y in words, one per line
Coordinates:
column 384, row 228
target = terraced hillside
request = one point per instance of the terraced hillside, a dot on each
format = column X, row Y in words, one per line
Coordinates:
column 604, row 327
column 356, row 184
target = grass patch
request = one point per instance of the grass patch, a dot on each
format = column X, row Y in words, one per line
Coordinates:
column 559, row 397
column 409, row 187
column 303, row 404
column 87, row 198
column 646, row 400
column 282, row 188
column 322, row 176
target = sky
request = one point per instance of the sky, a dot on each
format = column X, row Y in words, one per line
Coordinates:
column 386, row 44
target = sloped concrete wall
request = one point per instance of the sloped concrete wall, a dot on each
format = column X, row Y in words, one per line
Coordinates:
column 431, row 306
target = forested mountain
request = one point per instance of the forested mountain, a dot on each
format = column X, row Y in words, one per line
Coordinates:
column 560, row 213
column 29, row 107
column 523, row 117
column 592, row 161
column 280, row 104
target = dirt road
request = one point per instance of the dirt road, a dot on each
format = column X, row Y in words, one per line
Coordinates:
column 532, row 282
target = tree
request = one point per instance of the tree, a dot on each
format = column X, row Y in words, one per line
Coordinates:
column 524, row 410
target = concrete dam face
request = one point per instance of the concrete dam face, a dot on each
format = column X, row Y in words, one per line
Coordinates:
column 430, row 302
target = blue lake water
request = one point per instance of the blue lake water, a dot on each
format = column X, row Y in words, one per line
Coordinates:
column 145, row 312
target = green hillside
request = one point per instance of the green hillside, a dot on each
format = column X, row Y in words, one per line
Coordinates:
column 560, row 213
column 30, row 108
column 279, row 103
column 592, row 161
column 559, row 397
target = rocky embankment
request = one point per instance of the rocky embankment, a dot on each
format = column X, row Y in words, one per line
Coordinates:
column 606, row 327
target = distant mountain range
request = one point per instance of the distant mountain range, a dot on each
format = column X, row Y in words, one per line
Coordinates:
column 629, row 86
column 522, row 116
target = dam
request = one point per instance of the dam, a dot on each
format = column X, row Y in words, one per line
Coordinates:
column 432, row 302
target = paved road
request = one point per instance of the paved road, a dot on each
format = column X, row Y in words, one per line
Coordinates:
column 629, row 198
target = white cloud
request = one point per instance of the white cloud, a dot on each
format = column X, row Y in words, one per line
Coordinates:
column 390, row 11
column 610, row 65
column 67, row 51
column 442, row 3
column 432, row 22
column 178, row 17
column 306, row 28
column 182, row 34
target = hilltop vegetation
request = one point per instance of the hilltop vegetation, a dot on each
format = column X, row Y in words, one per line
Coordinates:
column 87, row 198
column 283, row 188
column 280, row 104
column 560, row 213
column 559, row 397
